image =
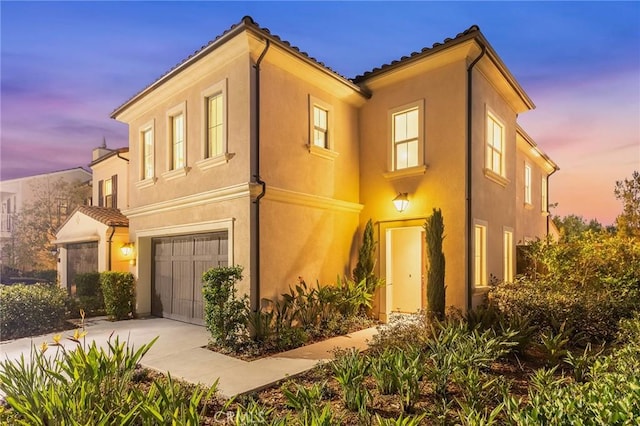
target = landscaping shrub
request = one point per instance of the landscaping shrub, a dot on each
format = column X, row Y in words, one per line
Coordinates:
column 434, row 235
column 364, row 270
column 93, row 386
column 350, row 368
column 118, row 289
column 225, row 314
column 27, row 310
column 89, row 292
column 588, row 283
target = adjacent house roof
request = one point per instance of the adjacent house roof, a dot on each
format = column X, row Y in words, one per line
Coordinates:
column 106, row 215
column 113, row 152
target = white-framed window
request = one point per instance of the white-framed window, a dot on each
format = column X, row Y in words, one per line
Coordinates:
column 544, row 201
column 215, row 148
column 320, row 127
column 405, row 138
column 507, row 258
column 495, row 152
column 147, row 174
column 178, row 159
column 527, row 183
column 108, row 193
column 480, row 254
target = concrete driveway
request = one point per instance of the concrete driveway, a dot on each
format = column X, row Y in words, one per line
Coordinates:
column 180, row 350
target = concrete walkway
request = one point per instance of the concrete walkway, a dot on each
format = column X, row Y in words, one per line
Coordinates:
column 180, row 350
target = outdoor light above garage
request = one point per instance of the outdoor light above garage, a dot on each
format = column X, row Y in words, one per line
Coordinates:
column 401, row 201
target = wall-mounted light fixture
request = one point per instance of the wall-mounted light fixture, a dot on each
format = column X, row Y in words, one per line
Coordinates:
column 127, row 250
column 54, row 250
column 401, row 201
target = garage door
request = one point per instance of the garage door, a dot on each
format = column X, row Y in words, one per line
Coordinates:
column 179, row 263
column 81, row 258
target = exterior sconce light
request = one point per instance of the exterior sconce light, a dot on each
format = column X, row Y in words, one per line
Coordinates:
column 127, row 250
column 54, row 250
column 401, row 201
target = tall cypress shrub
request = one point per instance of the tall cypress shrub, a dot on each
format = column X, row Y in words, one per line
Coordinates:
column 366, row 259
column 434, row 227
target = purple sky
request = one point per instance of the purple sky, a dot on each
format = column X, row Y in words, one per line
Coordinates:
column 66, row 65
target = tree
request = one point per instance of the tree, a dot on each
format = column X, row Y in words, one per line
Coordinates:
column 573, row 226
column 628, row 191
column 434, row 227
column 37, row 222
column 366, row 259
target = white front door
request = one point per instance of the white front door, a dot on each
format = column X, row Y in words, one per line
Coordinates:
column 404, row 269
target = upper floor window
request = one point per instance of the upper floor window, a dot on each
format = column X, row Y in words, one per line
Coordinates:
column 495, row 146
column 405, row 139
column 107, row 192
column 215, row 148
column 320, row 127
column 544, row 203
column 177, row 142
column 215, row 126
column 527, row 183
column 147, row 153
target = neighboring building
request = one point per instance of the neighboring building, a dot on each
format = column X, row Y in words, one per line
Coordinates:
column 250, row 152
column 91, row 238
column 16, row 193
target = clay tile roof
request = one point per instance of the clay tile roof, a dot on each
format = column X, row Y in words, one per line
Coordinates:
column 106, row 215
column 425, row 51
column 245, row 22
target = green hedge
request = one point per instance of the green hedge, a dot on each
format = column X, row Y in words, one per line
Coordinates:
column 89, row 293
column 118, row 289
column 28, row 310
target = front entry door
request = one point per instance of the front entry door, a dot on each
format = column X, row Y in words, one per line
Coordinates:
column 404, row 269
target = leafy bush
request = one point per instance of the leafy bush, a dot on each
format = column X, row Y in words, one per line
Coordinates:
column 434, row 235
column 225, row 314
column 89, row 292
column 589, row 283
column 350, row 368
column 93, row 386
column 118, row 289
column 27, row 310
column 364, row 270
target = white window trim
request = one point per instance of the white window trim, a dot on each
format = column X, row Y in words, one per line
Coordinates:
column 392, row 172
column 499, row 178
column 172, row 112
column 528, row 190
column 329, row 152
column 508, row 252
column 544, row 195
column 483, row 285
column 142, row 181
column 205, row 162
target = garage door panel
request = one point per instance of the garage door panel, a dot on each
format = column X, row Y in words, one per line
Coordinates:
column 188, row 258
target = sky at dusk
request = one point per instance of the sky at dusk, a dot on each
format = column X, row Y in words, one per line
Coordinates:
column 66, row 65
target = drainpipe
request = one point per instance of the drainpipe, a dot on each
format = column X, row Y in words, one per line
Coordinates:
column 469, row 178
column 109, row 241
column 258, row 180
column 547, row 206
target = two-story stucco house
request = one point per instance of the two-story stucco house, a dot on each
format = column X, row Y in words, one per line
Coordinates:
column 92, row 237
column 251, row 152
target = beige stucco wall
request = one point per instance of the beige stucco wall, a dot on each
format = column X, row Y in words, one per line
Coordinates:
column 441, row 186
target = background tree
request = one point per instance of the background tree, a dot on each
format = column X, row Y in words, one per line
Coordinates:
column 366, row 259
column 38, row 220
column 434, row 227
column 628, row 191
column 573, row 226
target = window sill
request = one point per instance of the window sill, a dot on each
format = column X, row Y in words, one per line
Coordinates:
column 218, row 160
column 175, row 174
column 493, row 176
column 481, row 289
column 544, row 214
column 145, row 183
column 322, row 152
column 409, row 172
column 528, row 206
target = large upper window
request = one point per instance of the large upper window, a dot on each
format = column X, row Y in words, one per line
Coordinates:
column 320, row 127
column 527, row 183
column 480, row 255
column 177, row 141
column 147, row 153
column 406, row 131
column 495, row 146
column 215, row 126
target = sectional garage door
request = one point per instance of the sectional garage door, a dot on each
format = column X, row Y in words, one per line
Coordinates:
column 179, row 263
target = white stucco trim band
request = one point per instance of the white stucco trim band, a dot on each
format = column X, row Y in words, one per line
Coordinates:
column 246, row 189
column 308, row 200
column 80, row 239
